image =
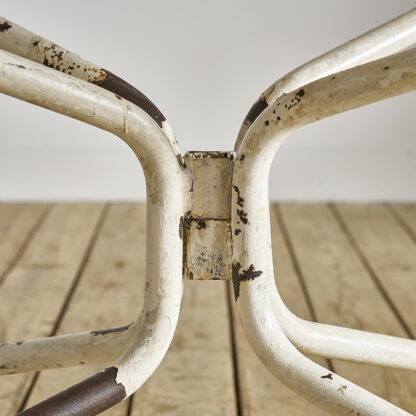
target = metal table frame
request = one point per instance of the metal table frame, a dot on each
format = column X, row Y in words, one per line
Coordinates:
column 200, row 231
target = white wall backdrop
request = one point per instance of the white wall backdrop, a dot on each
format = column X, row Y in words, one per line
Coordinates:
column 204, row 64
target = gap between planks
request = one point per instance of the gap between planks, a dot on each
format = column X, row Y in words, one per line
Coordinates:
column 282, row 401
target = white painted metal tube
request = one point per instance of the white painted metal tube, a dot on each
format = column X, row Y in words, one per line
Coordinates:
column 384, row 40
column 252, row 256
column 165, row 180
column 101, row 346
column 340, row 343
column 22, row 42
column 343, row 343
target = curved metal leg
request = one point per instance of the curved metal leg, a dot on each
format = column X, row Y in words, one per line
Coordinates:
column 100, row 346
column 165, row 182
column 96, row 96
column 252, row 258
column 391, row 37
column 315, row 338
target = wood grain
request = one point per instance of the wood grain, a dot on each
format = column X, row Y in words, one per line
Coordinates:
column 196, row 375
column 343, row 293
column 18, row 224
column 354, row 264
column 34, row 293
column 110, row 293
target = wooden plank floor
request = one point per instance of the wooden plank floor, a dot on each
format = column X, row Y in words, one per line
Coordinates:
column 74, row 267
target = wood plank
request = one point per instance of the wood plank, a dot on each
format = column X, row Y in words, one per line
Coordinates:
column 33, row 294
column 390, row 252
column 196, row 376
column 343, row 293
column 200, row 350
column 110, row 293
column 260, row 392
column 18, row 224
column 405, row 215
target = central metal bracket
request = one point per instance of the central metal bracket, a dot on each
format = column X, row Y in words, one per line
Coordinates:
column 207, row 224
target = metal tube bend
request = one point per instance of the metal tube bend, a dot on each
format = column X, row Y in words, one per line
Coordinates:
column 165, row 181
column 386, row 39
column 252, row 256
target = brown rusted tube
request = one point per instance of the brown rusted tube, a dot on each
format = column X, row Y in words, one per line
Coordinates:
column 87, row 398
column 22, row 42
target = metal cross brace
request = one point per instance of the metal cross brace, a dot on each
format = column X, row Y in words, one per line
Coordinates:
column 208, row 218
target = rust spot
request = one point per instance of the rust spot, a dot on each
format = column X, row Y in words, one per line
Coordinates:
column 243, row 216
column 237, row 231
column 386, row 68
column 19, row 342
column 36, row 43
column 242, row 157
column 240, row 201
column 267, row 122
column 181, row 228
column 89, row 397
column 198, row 154
column 328, row 376
column 200, row 223
column 4, row 27
column 301, row 92
column 258, row 107
column 239, row 276
column 278, row 118
column 191, row 276
column 111, row 330
column 113, row 83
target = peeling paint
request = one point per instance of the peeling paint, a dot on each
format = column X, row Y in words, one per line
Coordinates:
column 258, row 107
column 112, row 330
column 181, row 228
column 239, row 276
column 240, row 200
column 89, row 397
column 4, row 27
column 242, row 215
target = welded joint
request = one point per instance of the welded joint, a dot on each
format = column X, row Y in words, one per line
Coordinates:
column 207, row 223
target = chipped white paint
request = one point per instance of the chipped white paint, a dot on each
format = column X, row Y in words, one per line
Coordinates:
column 194, row 201
column 386, row 39
column 27, row 44
column 165, row 182
column 257, row 297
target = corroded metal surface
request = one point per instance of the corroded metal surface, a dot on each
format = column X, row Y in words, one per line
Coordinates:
column 270, row 328
column 153, row 331
column 87, row 398
column 207, row 251
column 22, row 42
column 384, row 40
column 207, row 223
